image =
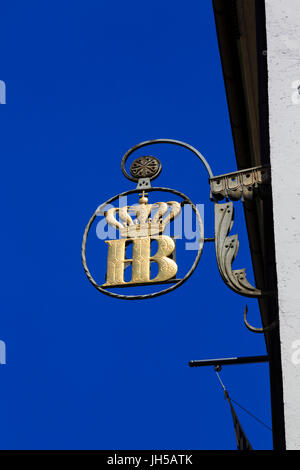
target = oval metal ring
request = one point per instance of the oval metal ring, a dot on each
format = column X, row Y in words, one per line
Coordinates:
column 153, row 294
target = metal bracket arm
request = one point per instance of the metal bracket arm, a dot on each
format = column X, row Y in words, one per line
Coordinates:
column 228, row 361
column 243, row 184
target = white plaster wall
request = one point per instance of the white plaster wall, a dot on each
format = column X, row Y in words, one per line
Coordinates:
column 283, row 56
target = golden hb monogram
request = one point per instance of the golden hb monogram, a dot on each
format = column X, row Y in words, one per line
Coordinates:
column 140, row 232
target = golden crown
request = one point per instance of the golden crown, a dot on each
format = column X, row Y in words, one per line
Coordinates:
column 143, row 225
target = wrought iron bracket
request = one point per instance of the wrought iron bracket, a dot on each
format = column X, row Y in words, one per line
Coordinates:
column 243, row 184
column 239, row 185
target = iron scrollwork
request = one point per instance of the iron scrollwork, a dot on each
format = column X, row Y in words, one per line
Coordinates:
column 254, row 329
column 226, row 251
column 239, row 185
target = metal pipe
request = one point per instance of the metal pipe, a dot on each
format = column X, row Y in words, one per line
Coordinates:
column 227, row 361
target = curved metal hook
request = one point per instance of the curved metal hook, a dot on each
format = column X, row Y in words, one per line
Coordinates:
column 258, row 330
column 163, row 141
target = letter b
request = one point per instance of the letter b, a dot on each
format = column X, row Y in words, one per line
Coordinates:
column 141, row 260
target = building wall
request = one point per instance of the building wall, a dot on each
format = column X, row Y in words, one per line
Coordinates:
column 283, row 58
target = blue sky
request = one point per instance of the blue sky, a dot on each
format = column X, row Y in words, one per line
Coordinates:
column 85, row 82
